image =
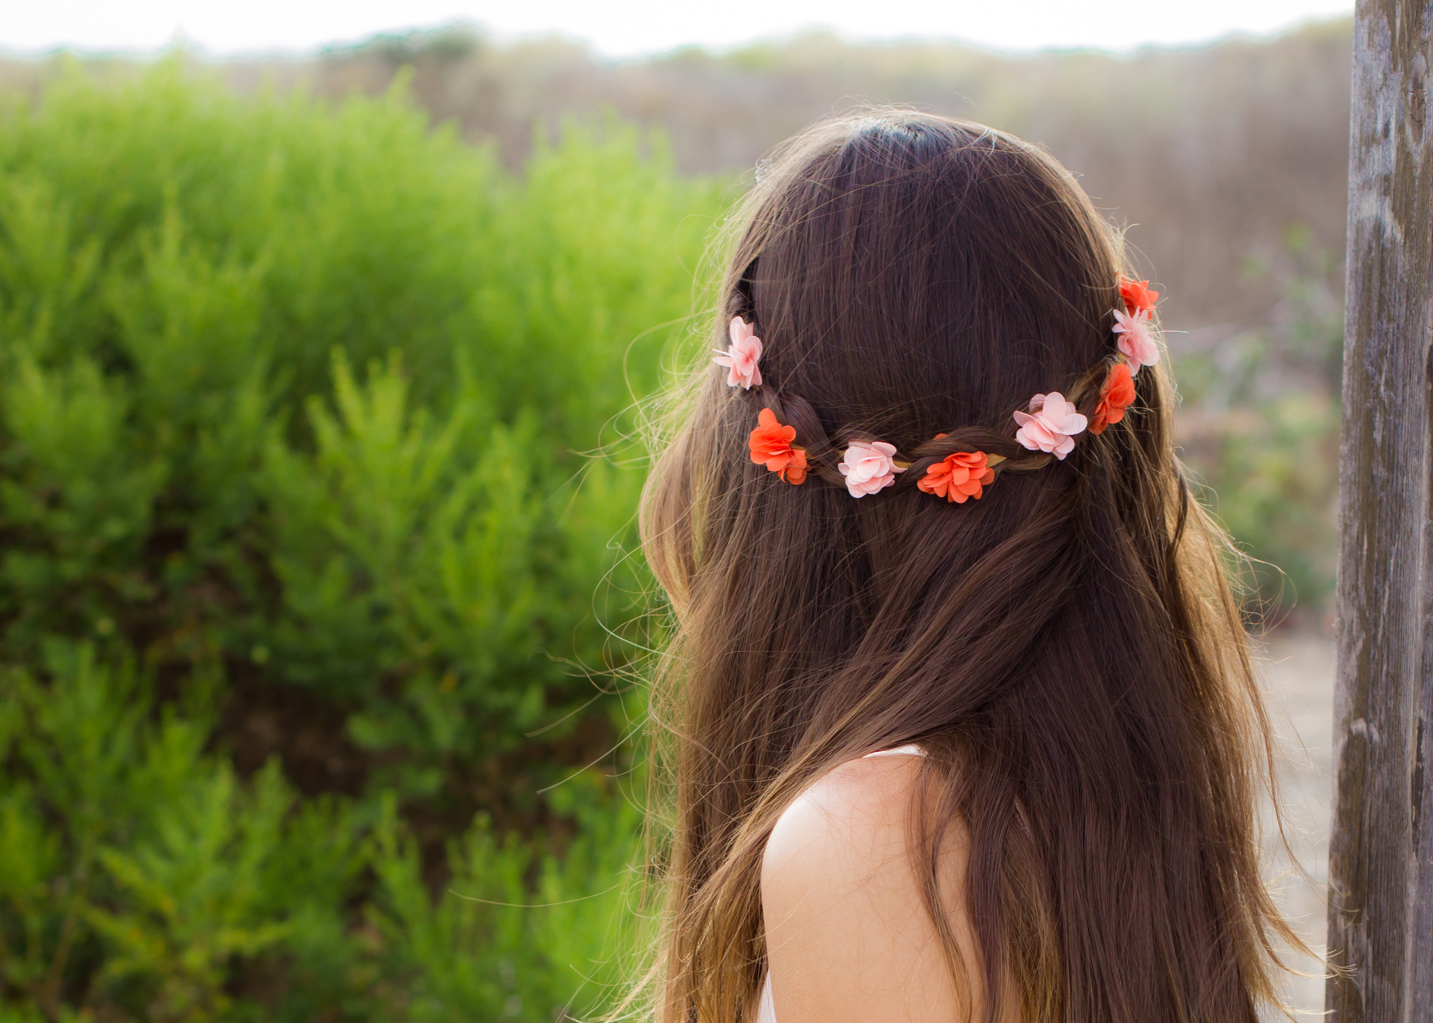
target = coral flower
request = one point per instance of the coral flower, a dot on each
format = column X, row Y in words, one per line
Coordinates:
column 1138, row 298
column 741, row 356
column 1051, row 425
column 958, row 477
column 1117, row 395
column 795, row 471
column 869, row 466
column 1135, row 340
column 771, row 446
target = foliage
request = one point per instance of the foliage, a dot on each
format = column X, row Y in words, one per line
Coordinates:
column 304, row 570
column 310, row 616
column 1209, row 151
column 139, row 878
column 1260, row 427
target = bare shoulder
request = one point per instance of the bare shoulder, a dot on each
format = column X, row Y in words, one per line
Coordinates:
column 856, row 821
column 848, row 933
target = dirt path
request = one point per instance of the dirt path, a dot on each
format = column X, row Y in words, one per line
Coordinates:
column 1298, row 671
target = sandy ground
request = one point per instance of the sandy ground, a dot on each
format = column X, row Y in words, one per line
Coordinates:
column 1298, row 671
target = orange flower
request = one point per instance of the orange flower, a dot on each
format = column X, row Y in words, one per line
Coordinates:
column 771, row 446
column 1138, row 298
column 958, row 476
column 795, row 471
column 1117, row 395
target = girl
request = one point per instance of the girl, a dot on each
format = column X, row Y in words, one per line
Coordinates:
column 966, row 728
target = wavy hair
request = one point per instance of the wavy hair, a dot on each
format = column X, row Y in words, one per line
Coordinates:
column 1067, row 648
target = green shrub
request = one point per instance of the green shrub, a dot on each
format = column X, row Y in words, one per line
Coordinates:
column 1270, row 473
column 141, row 879
column 1259, row 425
column 310, row 600
column 484, row 951
column 304, row 566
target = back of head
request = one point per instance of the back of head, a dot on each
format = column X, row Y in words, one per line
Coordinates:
column 1064, row 643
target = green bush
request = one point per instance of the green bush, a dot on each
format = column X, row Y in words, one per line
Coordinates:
column 1259, row 425
column 1270, row 474
column 311, row 600
column 141, row 879
column 304, row 567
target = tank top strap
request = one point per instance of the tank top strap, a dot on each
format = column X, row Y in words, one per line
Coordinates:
column 766, row 1009
column 908, row 750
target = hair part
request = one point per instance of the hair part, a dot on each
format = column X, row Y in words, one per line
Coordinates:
column 1067, row 649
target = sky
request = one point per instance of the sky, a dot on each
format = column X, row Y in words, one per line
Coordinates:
column 626, row 28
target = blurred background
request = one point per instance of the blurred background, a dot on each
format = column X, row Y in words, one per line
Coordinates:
column 326, row 343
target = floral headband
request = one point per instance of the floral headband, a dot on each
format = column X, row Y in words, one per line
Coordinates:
column 946, row 468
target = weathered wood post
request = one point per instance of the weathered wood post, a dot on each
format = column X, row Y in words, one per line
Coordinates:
column 1381, row 849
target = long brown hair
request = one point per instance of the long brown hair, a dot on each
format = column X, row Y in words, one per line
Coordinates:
column 1066, row 648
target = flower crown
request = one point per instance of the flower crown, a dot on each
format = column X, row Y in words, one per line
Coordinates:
column 948, row 466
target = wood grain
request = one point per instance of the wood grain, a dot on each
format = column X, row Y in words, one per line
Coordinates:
column 1381, row 855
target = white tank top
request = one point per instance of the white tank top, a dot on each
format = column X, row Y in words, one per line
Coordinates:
column 766, row 1011
column 766, row 1008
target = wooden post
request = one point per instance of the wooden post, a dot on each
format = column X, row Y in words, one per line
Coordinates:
column 1381, row 850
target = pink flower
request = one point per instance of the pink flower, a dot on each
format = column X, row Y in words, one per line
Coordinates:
column 1135, row 340
column 1053, row 426
column 741, row 356
column 869, row 466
